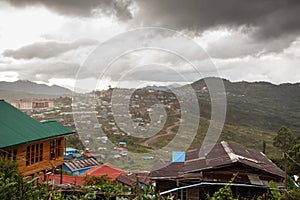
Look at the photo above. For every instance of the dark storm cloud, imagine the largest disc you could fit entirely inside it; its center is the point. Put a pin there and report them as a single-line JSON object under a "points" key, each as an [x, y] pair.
{"points": [[83, 8], [270, 18], [47, 49]]}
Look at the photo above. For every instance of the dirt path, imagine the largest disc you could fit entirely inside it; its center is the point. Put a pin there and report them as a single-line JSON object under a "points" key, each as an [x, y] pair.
{"points": [[168, 130]]}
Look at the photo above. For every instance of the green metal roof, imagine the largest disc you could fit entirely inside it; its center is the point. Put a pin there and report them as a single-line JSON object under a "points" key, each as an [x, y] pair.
{"points": [[18, 128]]}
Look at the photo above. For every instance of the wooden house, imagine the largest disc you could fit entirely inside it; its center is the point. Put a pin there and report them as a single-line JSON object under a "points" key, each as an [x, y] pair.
{"points": [[200, 174], [36, 146]]}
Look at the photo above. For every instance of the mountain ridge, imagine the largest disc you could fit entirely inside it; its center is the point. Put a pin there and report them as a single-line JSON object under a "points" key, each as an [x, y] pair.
{"points": [[27, 89]]}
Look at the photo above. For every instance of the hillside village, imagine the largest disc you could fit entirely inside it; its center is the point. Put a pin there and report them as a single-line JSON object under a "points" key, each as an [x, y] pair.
{"points": [[90, 140]]}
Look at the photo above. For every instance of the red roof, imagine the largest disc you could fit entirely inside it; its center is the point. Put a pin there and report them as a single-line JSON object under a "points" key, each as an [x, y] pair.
{"points": [[67, 179], [105, 169], [94, 155]]}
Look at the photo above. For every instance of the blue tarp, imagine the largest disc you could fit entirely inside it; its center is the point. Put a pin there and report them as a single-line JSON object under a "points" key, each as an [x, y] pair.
{"points": [[178, 156]]}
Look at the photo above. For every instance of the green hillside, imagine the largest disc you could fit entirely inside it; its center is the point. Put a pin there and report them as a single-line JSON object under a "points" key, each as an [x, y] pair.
{"points": [[255, 111]]}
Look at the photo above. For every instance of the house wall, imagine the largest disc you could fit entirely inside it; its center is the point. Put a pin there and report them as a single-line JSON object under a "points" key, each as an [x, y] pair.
{"points": [[76, 172], [38, 156], [31, 104]]}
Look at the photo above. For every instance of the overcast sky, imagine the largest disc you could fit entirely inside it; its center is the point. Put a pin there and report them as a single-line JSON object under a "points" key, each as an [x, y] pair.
{"points": [[47, 41]]}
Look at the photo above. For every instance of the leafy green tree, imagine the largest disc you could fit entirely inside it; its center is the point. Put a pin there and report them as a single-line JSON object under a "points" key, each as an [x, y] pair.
{"points": [[294, 158], [287, 142], [105, 185], [276, 194], [224, 192], [284, 139], [294, 194], [13, 186]]}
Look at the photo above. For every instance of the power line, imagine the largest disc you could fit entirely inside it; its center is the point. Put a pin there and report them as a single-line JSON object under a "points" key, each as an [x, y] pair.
{"points": [[293, 160]]}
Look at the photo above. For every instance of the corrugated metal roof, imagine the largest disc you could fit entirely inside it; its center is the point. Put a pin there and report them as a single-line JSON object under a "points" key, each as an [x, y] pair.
{"points": [[221, 155], [18, 128], [105, 169], [171, 170], [78, 164], [131, 179]]}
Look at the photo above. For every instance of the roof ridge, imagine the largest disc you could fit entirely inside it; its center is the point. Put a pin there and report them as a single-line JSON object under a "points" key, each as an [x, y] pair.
{"points": [[233, 157], [47, 121]]}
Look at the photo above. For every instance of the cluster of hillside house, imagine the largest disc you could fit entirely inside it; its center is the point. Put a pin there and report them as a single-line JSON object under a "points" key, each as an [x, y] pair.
{"points": [[39, 149]]}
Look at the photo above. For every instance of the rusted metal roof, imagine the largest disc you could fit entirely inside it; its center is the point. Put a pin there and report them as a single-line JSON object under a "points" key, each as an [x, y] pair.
{"points": [[171, 170], [131, 179], [222, 155]]}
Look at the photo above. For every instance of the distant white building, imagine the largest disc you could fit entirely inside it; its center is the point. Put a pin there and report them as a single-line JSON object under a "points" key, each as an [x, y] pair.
{"points": [[33, 104]]}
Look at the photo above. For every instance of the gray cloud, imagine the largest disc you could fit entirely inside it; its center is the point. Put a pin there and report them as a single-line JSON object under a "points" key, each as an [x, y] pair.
{"points": [[238, 44], [270, 25], [86, 8], [43, 71], [272, 18], [47, 49]]}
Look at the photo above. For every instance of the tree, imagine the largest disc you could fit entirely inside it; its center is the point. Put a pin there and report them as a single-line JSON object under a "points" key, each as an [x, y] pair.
{"points": [[13, 186], [284, 139], [294, 157], [264, 147]]}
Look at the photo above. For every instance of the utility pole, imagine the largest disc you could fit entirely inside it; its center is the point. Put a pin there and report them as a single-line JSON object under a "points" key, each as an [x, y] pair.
{"points": [[138, 186], [286, 176]]}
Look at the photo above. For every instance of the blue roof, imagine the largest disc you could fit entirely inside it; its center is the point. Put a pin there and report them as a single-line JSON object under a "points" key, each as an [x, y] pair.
{"points": [[71, 149]]}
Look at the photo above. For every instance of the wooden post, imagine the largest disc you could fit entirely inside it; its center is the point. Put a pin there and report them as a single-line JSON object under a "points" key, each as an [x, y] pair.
{"points": [[61, 174], [44, 171], [177, 185], [138, 187]]}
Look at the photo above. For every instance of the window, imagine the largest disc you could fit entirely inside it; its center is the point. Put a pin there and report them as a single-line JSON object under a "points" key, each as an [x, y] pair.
{"points": [[52, 149], [15, 154], [28, 156], [37, 153], [34, 154], [3, 154], [9, 154], [56, 148], [41, 152]]}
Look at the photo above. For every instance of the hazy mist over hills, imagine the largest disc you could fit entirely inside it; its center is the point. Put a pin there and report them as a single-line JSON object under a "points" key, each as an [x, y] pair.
{"points": [[27, 89]]}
